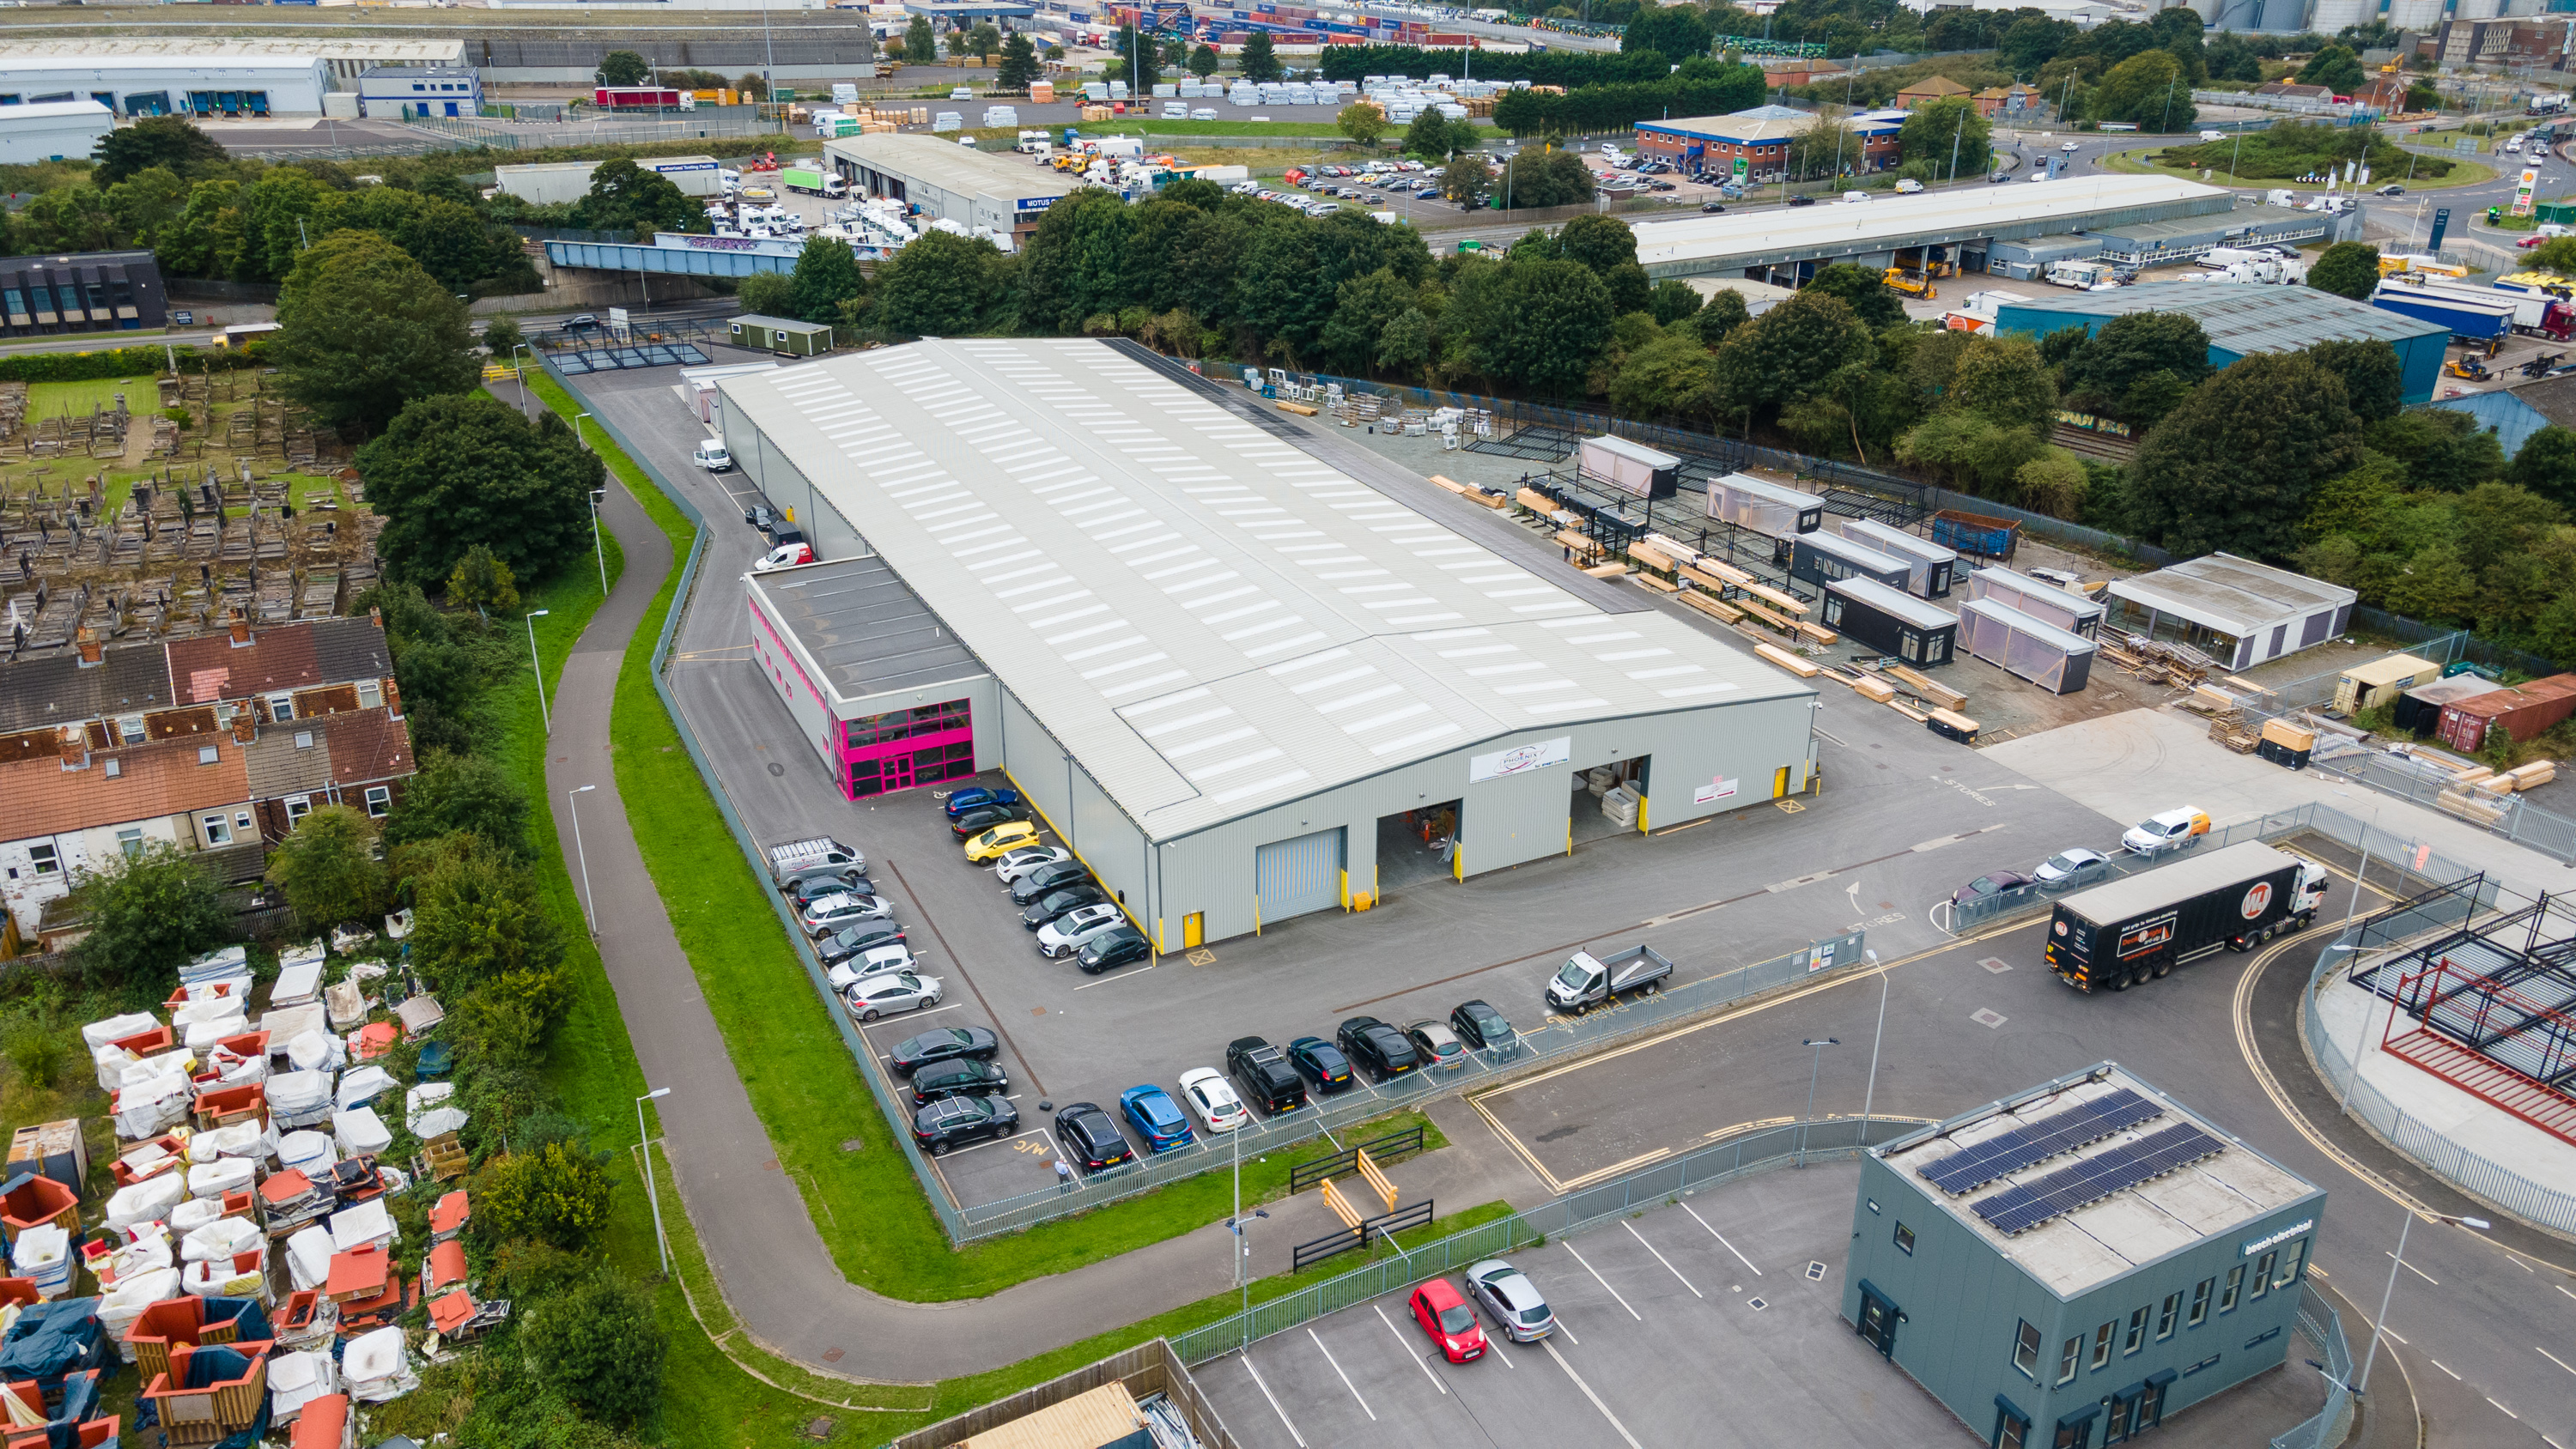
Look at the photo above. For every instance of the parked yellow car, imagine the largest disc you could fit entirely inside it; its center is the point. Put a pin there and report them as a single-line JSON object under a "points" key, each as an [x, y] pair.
{"points": [[1000, 840]]}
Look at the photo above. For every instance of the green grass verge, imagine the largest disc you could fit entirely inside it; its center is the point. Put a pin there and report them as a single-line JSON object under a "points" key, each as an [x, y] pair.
{"points": [[2464, 172]]}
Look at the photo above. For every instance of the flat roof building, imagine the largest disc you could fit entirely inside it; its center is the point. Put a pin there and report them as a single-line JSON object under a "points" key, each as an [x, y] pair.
{"points": [[1788, 246], [403, 92], [2072, 1265], [2235, 610], [1220, 666], [2241, 320], [200, 79], [949, 182], [80, 292], [346, 59], [1759, 137], [54, 131]]}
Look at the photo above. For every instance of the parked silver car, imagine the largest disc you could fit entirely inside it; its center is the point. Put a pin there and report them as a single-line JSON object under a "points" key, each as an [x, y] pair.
{"points": [[870, 997], [1511, 1300], [1072, 930], [831, 913]]}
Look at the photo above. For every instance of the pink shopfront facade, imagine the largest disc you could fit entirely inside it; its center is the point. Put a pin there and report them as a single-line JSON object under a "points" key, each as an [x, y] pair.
{"points": [[880, 688]]}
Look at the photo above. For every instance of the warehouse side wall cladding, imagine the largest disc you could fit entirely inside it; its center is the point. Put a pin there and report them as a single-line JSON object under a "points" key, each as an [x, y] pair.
{"points": [[1141, 589]]}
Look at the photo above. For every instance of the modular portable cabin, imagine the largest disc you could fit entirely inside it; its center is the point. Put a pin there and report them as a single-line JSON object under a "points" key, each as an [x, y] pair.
{"points": [[1634, 468], [2371, 685], [1820, 558], [1932, 566], [2418, 711], [1891, 621], [2238, 612], [2055, 659], [2040, 599], [2526, 710], [779, 334], [1768, 508]]}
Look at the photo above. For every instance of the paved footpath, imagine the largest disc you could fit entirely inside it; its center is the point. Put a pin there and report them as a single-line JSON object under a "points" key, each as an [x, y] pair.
{"points": [[766, 1252]]}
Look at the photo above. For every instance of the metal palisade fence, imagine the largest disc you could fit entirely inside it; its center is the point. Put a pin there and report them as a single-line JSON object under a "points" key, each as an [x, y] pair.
{"points": [[2324, 1328], [2026, 900], [1762, 1150], [1559, 1039]]}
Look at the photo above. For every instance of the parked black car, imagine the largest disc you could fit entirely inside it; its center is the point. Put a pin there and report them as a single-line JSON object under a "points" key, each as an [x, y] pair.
{"points": [[807, 889], [946, 1044], [1091, 1137], [1045, 879], [1382, 1049], [952, 1120], [1261, 1071], [985, 817], [759, 516], [1321, 1063], [1802, 201], [1055, 903], [1116, 947], [851, 941], [964, 1077], [1483, 1028]]}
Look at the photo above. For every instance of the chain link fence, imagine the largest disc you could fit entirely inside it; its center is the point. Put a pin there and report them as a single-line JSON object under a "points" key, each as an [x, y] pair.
{"points": [[1789, 1143]]}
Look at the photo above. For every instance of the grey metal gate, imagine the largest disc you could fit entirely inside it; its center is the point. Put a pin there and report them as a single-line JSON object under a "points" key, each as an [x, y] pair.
{"points": [[1293, 877]]}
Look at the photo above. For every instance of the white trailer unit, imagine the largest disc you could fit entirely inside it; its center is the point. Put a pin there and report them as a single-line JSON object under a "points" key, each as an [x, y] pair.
{"points": [[1766, 508], [1930, 567]]}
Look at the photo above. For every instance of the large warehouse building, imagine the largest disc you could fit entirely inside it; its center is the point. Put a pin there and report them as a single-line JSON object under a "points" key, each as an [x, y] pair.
{"points": [[1216, 663], [2248, 319], [286, 76], [997, 190]]}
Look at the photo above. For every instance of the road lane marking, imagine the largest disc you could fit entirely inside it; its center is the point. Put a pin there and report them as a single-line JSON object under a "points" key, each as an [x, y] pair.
{"points": [[1595, 1398], [2446, 1368], [1568, 1332], [1721, 1237], [1605, 1283], [1405, 1347], [1494, 1346], [2508, 1413], [1121, 976], [1274, 1402], [2553, 1358], [2392, 1333], [1345, 1378], [1660, 1258], [2418, 1272]]}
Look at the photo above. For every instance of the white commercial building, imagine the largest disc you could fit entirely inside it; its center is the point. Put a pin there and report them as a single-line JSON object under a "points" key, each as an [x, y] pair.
{"points": [[186, 81], [1241, 670], [402, 92], [345, 60], [548, 182], [54, 131]]}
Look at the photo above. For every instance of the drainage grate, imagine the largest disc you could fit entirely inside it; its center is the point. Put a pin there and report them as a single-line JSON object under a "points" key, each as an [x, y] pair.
{"points": [[834, 1355], [1756, 1304], [1815, 1272], [1987, 1018], [1997, 967], [818, 1430]]}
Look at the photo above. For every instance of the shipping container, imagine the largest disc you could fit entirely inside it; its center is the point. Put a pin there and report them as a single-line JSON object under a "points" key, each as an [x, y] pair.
{"points": [[1767, 508], [1631, 468], [2528, 710], [2123, 934], [1931, 566], [2371, 685], [1821, 558], [2055, 659], [2065, 608], [629, 98], [2418, 711], [1993, 538], [1890, 621]]}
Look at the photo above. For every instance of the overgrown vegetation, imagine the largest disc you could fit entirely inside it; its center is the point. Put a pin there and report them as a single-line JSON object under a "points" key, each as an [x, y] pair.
{"points": [[2302, 150]]}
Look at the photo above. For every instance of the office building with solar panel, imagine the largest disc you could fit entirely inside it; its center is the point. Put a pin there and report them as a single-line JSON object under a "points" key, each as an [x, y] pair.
{"points": [[2073, 1266], [1243, 669]]}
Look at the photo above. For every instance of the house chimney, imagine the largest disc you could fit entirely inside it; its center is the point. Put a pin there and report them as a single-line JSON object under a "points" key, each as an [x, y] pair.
{"points": [[89, 648], [393, 698], [241, 628]]}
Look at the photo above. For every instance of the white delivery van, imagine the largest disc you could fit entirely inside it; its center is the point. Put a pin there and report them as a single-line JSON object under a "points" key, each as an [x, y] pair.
{"points": [[711, 455]]}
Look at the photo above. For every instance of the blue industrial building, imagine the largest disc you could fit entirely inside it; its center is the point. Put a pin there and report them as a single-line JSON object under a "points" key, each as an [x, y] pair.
{"points": [[2242, 319], [406, 92], [2070, 1266]]}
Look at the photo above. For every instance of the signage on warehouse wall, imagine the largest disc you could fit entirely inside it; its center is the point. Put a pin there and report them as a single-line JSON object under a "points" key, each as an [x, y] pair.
{"points": [[1520, 759]]}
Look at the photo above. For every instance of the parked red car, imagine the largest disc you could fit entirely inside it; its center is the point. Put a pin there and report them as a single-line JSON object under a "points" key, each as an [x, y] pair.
{"points": [[1443, 1313]]}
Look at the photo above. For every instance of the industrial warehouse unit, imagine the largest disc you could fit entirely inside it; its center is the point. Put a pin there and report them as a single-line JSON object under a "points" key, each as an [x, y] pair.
{"points": [[2234, 610], [1218, 666], [2242, 320], [1000, 191], [83, 292], [2074, 1265], [54, 131]]}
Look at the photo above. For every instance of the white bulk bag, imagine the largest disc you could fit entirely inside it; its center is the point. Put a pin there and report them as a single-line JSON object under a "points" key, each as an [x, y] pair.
{"points": [[377, 1366], [299, 1099], [248, 1138], [297, 1379], [310, 1153], [204, 1032], [360, 1133], [295, 984], [195, 1213], [308, 1257], [220, 1279], [99, 1033], [365, 1225], [126, 1301], [153, 1249], [425, 1096], [219, 1240], [229, 1174], [313, 1050], [363, 1085], [109, 1063], [147, 1201]]}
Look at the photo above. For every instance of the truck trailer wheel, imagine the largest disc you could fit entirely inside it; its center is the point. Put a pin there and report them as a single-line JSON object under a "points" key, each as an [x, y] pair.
{"points": [[2163, 967], [2119, 982], [1653, 986]]}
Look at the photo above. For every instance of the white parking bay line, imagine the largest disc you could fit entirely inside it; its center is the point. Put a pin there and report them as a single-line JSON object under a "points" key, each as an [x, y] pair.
{"points": [[1405, 1346], [1721, 1237], [1660, 1258], [1121, 976], [1605, 1283], [1274, 1402], [997, 1142], [1568, 1332], [1587, 1393], [1337, 1370]]}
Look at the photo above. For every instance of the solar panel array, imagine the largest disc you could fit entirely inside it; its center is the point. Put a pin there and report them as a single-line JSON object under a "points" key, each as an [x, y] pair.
{"points": [[2035, 1142], [2020, 1208]]}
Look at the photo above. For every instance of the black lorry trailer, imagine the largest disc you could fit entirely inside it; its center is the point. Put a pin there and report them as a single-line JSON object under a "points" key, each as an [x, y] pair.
{"points": [[2118, 935]]}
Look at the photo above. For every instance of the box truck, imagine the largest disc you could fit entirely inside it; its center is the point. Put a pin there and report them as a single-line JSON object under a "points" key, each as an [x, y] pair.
{"points": [[2120, 935]]}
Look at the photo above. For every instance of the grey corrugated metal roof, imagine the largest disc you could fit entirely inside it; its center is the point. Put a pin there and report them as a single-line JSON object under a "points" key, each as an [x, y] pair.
{"points": [[946, 164], [2239, 319], [864, 628], [1211, 617], [2230, 594]]}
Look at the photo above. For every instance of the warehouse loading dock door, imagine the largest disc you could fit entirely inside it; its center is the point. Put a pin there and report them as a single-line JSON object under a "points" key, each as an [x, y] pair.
{"points": [[1586, 817], [1292, 877]]}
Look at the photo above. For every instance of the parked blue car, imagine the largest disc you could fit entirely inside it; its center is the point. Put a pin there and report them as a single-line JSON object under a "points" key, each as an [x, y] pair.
{"points": [[1156, 1117], [976, 798]]}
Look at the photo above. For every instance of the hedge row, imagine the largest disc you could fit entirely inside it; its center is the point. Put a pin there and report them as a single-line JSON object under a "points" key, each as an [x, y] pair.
{"points": [[1592, 109], [122, 362], [1538, 67]]}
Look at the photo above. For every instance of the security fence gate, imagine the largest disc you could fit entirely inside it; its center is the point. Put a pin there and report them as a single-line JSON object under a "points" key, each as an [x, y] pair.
{"points": [[1292, 877]]}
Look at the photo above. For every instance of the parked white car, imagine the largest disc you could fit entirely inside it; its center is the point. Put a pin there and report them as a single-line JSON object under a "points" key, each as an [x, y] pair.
{"points": [[1213, 1101], [875, 961], [1027, 858], [831, 913], [1067, 933]]}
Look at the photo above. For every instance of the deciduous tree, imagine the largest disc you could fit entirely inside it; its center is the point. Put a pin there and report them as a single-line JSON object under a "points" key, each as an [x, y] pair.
{"points": [[625, 197], [623, 68], [557, 1194], [147, 913], [328, 869], [827, 275], [936, 286], [1939, 131], [1204, 62], [171, 142], [365, 331], [460, 794], [599, 1346], [453, 472], [1362, 121], [1874, 302], [1555, 316], [2234, 466], [2347, 269]]}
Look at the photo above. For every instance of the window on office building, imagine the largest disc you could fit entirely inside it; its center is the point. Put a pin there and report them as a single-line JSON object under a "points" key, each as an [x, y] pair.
{"points": [[1905, 1240], [2263, 1273], [2068, 1357], [2292, 1258], [2102, 1342], [2235, 1286], [2165, 1318], [2137, 1335], [2025, 1354], [2200, 1301]]}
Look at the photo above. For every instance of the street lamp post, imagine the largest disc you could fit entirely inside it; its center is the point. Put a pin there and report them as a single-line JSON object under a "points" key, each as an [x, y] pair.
{"points": [[1814, 1062], [596, 546], [544, 717], [1870, 1097], [652, 1193], [515, 349], [2397, 1263], [576, 431], [572, 802]]}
